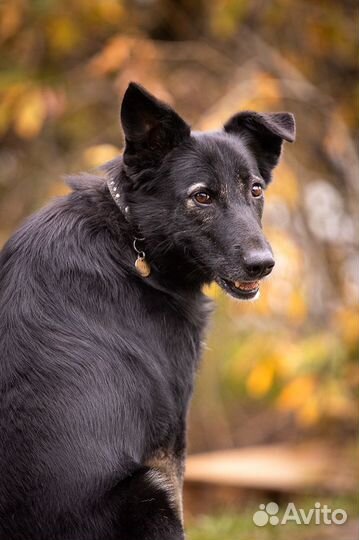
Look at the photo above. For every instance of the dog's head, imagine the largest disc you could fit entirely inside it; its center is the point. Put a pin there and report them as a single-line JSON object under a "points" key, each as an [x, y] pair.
{"points": [[198, 198]]}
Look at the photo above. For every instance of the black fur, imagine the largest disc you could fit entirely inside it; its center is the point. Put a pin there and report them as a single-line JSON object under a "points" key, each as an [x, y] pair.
{"points": [[98, 363]]}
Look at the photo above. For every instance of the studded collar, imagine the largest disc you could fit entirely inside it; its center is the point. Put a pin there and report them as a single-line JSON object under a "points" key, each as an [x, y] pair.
{"points": [[141, 264], [118, 197]]}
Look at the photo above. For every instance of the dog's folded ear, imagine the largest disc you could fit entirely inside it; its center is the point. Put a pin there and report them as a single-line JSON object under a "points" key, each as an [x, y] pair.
{"points": [[264, 134], [151, 127]]}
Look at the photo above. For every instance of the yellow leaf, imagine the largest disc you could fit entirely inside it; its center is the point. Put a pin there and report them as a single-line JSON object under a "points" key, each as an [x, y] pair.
{"points": [[260, 379], [110, 10], [63, 34], [30, 114], [308, 413], [295, 394], [99, 154], [347, 319]]}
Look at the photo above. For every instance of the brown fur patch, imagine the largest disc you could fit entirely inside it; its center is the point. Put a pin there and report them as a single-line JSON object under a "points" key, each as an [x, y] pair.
{"points": [[167, 471]]}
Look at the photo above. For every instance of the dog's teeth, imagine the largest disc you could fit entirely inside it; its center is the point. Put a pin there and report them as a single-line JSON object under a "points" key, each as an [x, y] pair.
{"points": [[250, 286]]}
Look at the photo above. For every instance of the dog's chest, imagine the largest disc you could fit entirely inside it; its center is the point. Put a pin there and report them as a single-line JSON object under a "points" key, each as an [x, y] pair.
{"points": [[178, 327]]}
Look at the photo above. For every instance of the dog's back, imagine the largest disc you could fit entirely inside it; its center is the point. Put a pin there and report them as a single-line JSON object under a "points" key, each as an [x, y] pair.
{"points": [[84, 399]]}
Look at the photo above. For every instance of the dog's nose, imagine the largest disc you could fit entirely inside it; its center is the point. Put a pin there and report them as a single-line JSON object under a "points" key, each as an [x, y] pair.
{"points": [[259, 264]]}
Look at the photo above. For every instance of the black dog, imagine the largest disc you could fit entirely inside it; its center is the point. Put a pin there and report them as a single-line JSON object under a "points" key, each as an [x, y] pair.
{"points": [[102, 318]]}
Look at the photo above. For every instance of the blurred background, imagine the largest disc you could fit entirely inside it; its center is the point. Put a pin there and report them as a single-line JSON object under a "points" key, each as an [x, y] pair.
{"points": [[275, 410]]}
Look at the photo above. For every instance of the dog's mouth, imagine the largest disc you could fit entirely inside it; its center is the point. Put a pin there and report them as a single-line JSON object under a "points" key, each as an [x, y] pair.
{"points": [[244, 290]]}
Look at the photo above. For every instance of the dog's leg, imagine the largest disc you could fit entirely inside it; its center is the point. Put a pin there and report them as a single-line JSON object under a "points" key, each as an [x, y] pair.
{"points": [[151, 507], [166, 470]]}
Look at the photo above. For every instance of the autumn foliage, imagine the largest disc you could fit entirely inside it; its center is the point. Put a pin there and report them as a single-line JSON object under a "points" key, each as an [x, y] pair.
{"points": [[288, 361]]}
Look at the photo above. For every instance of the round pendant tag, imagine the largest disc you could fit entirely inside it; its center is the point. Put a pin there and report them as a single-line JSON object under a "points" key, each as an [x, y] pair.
{"points": [[142, 267]]}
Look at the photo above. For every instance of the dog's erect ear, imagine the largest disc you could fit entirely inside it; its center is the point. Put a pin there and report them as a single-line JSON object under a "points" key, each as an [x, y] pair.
{"points": [[264, 134], [152, 128]]}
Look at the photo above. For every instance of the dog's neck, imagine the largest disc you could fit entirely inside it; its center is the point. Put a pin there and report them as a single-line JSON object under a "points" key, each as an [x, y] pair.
{"points": [[172, 271], [115, 179]]}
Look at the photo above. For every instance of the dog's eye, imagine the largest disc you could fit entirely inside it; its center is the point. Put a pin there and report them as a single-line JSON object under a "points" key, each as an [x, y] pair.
{"points": [[202, 197], [257, 190]]}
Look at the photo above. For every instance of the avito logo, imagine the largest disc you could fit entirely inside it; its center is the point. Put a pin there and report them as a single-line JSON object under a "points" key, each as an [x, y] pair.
{"points": [[319, 515]]}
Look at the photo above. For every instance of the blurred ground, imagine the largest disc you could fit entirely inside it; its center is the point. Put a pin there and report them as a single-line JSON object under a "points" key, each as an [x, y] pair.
{"points": [[240, 526], [283, 369]]}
